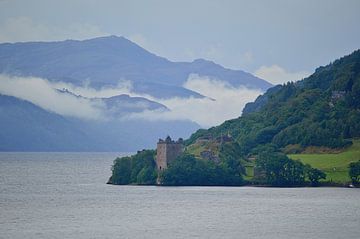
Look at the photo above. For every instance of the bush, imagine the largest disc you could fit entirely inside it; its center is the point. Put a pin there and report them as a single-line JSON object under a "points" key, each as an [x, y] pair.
{"points": [[137, 169], [314, 175], [279, 170], [354, 172], [186, 170]]}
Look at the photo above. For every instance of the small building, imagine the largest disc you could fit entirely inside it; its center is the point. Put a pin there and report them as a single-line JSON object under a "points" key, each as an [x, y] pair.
{"points": [[168, 150]]}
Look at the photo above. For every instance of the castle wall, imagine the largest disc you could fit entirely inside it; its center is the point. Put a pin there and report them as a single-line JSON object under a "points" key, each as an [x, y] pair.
{"points": [[167, 151], [161, 156], [173, 151]]}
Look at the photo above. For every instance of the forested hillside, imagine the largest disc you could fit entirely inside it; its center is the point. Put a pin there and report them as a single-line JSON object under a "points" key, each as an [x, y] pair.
{"points": [[321, 110]]}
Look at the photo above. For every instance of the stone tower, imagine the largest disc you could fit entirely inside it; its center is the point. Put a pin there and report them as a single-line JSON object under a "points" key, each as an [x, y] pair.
{"points": [[167, 150]]}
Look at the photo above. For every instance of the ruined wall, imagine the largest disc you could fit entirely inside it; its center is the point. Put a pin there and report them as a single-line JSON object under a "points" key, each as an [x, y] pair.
{"points": [[173, 150], [161, 156], [167, 151]]}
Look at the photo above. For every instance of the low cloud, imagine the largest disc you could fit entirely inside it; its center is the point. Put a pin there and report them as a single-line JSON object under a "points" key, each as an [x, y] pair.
{"points": [[278, 75], [222, 102], [42, 93]]}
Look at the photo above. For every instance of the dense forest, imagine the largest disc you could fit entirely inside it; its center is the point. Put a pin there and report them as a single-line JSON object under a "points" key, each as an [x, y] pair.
{"points": [[321, 110]]}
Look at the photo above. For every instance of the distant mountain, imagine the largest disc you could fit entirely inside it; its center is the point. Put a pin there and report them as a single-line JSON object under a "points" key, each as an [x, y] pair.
{"points": [[105, 61], [97, 63], [321, 110], [122, 105], [27, 127]]}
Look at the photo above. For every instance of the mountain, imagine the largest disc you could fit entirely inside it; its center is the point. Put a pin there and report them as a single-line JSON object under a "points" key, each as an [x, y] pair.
{"points": [[124, 104], [121, 105], [104, 61], [321, 110], [99, 63], [27, 127]]}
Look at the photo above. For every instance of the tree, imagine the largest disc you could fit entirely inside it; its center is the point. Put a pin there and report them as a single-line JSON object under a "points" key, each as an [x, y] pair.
{"points": [[279, 170], [186, 170], [314, 175], [138, 168], [182, 171], [121, 171], [146, 176], [354, 172]]}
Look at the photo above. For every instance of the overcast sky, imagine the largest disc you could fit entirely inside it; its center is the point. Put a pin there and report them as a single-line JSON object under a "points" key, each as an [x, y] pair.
{"points": [[276, 40]]}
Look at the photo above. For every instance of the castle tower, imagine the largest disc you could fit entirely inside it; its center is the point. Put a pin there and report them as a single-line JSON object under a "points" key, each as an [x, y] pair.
{"points": [[167, 151]]}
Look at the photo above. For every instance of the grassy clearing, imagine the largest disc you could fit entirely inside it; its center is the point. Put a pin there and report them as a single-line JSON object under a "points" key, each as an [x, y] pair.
{"points": [[197, 148], [249, 169], [334, 165]]}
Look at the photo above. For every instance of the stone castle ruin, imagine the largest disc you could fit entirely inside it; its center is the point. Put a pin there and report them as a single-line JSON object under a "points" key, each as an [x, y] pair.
{"points": [[167, 151]]}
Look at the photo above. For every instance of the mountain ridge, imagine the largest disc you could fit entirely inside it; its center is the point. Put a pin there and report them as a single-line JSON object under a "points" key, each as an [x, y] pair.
{"points": [[107, 60]]}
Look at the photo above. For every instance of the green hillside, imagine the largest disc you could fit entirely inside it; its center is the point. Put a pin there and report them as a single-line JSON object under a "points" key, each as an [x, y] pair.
{"points": [[321, 113], [321, 110], [334, 165]]}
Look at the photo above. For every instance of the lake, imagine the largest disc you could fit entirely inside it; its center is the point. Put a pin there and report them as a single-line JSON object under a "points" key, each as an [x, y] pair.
{"points": [[64, 195]]}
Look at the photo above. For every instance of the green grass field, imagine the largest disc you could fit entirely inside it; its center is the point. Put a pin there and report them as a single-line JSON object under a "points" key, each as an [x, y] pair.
{"points": [[197, 148], [334, 165]]}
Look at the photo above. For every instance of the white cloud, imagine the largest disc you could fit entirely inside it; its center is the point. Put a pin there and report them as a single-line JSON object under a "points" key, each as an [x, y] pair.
{"points": [[278, 75], [42, 93], [25, 29], [223, 102]]}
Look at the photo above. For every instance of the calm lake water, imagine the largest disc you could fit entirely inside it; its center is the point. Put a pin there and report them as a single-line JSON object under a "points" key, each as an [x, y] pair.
{"points": [[64, 195]]}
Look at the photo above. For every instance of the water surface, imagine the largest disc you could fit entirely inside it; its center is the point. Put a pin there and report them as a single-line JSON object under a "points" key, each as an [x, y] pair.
{"points": [[64, 195]]}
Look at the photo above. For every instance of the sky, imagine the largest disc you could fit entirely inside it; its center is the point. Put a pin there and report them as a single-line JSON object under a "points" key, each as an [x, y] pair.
{"points": [[275, 40]]}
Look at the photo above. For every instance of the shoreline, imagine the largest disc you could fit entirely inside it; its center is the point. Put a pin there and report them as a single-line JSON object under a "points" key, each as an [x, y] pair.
{"points": [[245, 185]]}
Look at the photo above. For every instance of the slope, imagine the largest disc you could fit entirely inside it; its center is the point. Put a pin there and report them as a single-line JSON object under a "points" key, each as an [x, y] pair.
{"points": [[336, 166], [27, 127], [321, 110]]}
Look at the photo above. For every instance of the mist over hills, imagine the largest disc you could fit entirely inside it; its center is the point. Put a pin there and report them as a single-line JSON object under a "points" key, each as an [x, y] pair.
{"points": [[27, 127], [120, 97]]}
